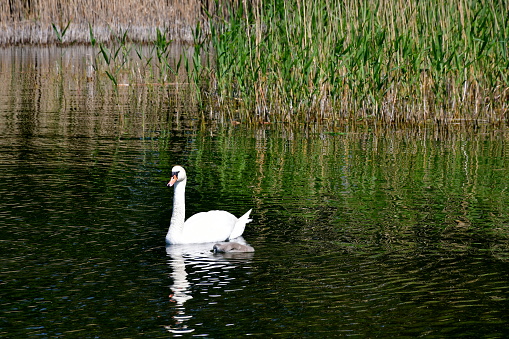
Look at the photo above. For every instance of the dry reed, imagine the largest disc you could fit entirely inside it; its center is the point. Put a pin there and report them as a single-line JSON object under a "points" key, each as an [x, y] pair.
{"points": [[31, 22]]}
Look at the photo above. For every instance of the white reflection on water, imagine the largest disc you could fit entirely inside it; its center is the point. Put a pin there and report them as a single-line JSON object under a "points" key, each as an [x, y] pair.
{"points": [[209, 276]]}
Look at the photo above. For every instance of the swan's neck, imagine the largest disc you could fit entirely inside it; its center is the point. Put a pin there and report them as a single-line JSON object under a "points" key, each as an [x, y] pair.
{"points": [[179, 212]]}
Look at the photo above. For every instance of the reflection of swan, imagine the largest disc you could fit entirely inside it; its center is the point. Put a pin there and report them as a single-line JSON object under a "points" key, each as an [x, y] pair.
{"points": [[196, 269], [202, 227], [180, 285]]}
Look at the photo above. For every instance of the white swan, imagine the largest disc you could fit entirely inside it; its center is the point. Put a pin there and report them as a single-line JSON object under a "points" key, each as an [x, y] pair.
{"points": [[211, 226]]}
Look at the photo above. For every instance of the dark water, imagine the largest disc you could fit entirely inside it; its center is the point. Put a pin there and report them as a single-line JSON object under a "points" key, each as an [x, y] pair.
{"points": [[357, 233]]}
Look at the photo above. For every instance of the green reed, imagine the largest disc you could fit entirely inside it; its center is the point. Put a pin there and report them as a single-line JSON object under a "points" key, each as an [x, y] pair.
{"points": [[392, 61], [59, 32], [126, 63]]}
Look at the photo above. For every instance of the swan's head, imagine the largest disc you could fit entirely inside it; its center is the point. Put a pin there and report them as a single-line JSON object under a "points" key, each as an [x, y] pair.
{"points": [[178, 173]]}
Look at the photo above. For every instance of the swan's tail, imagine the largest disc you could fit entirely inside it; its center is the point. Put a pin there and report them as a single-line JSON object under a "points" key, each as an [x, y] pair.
{"points": [[246, 217], [240, 225]]}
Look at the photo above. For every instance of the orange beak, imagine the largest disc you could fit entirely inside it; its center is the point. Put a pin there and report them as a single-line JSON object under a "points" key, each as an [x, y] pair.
{"points": [[172, 181]]}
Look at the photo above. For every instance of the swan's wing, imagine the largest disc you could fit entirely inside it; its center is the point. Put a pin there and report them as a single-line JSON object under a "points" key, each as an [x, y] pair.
{"points": [[209, 226]]}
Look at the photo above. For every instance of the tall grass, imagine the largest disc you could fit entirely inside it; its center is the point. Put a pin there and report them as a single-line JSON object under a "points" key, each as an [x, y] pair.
{"points": [[391, 61], [34, 22], [301, 61]]}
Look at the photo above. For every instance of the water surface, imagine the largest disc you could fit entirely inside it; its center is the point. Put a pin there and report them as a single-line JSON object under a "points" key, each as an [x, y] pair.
{"points": [[357, 232]]}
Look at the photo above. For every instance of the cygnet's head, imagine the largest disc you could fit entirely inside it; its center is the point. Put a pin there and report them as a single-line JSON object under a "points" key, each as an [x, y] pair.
{"points": [[178, 174]]}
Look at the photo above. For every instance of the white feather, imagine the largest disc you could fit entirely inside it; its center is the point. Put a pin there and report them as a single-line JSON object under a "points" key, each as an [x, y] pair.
{"points": [[202, 227]]}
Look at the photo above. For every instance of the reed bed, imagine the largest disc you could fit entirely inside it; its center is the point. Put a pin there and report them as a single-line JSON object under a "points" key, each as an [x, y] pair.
{"points": [[390, 61], [34, 22]]}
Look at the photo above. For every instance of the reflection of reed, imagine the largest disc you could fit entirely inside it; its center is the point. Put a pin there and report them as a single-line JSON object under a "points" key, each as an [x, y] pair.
{"points": [[206, 275], [65, 92], [389, 181]]}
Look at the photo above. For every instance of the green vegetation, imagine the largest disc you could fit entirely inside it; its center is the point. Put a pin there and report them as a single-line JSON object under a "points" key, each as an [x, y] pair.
{"points": [[390, 61], [60, 33]]}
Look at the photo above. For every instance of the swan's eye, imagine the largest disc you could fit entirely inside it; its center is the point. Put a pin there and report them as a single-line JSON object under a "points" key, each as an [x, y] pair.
{"points": [[175, 174]]}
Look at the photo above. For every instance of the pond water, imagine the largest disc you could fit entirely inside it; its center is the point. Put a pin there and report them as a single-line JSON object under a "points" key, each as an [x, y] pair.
{"points": [[362, 233]]}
